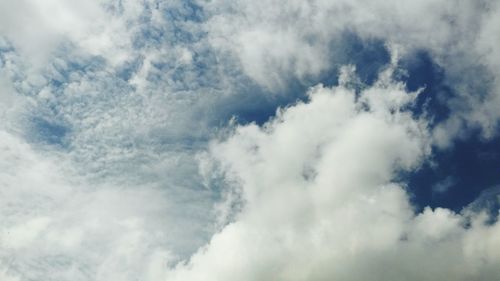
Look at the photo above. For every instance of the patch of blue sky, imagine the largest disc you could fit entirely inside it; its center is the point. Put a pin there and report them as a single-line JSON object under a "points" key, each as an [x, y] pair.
{"points": [[48, 132], [420, 72], [369, 56], [472, 163], [126, 70], [186, 11], [466, 169], [179, 29]]}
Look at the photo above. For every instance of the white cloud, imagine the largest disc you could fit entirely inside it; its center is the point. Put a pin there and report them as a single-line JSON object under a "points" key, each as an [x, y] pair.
{"points": [[58, 225], [276, 41], [118, 195], [37, 28], [320, 202], [308, 196]]}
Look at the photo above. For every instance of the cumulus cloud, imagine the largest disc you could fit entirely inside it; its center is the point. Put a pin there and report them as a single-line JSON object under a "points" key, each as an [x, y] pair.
{"points": [[121, 155], [321, 203]]}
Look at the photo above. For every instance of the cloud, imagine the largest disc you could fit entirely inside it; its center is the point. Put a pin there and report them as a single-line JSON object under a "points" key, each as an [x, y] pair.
{"points": [[444, 185], [99, 175], [321, 203], [277, 41], [36, 28], [56, 225], [122, 158]]}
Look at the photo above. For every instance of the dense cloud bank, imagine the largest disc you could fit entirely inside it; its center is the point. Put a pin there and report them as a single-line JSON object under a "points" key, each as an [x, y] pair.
{"points": [[128, 151]]}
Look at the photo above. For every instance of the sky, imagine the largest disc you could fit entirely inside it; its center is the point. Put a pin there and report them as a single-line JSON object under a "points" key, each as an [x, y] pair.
{"points": [[208, 140]]}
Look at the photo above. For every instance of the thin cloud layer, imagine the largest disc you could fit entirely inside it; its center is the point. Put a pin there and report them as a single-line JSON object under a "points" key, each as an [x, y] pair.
{"points": [[203, 140]]}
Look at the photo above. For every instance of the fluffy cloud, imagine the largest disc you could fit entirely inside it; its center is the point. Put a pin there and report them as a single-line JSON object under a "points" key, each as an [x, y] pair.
{"points": [[320, 202]]}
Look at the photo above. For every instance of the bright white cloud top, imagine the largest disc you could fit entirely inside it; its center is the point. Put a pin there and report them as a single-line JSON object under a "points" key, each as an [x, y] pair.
{"points": [[126, 151]]}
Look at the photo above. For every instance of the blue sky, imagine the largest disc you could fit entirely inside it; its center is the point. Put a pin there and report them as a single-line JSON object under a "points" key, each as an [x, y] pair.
{"points": [[269, 140]]}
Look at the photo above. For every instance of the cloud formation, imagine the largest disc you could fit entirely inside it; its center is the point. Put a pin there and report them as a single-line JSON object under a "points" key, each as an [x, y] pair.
{"points": [[203, 140], [321, 202]]}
